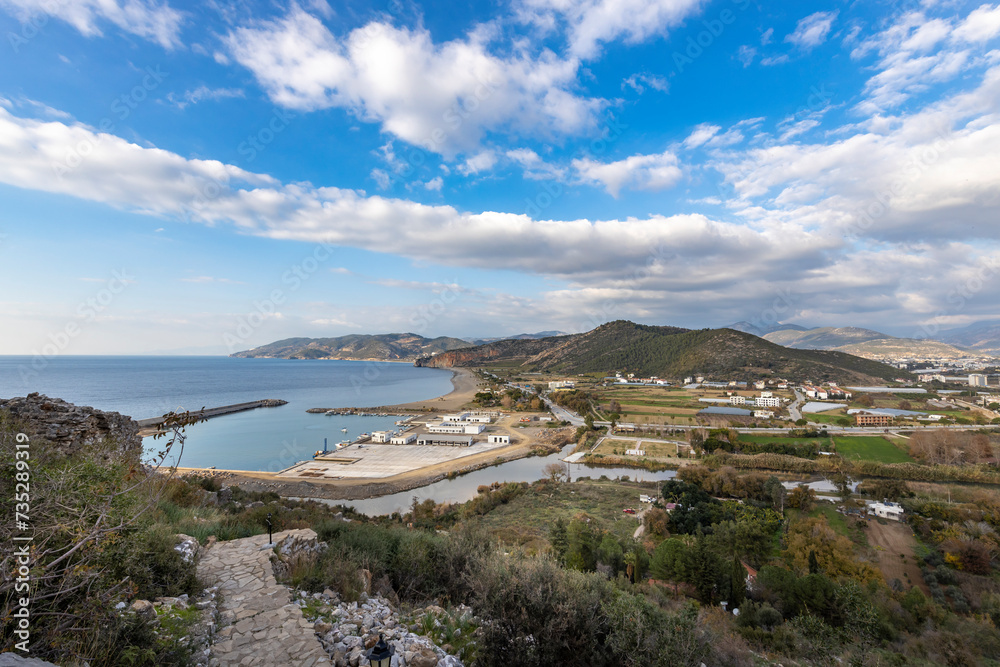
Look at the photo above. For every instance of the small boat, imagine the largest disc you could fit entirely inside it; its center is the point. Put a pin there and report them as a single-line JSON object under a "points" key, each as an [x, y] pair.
{"points": [[343, 430]]}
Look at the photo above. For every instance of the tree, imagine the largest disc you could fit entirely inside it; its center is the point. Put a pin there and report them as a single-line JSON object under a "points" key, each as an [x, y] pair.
{"points": [[776, 492], [555, 471], [559, 538], [610, 553], [580, 552], [865, 400], [813, 563], [670, 561], [801, 498]]}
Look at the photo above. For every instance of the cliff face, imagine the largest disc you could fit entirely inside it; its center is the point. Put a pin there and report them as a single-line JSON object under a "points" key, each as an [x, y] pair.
{"points": [[69, 427]]}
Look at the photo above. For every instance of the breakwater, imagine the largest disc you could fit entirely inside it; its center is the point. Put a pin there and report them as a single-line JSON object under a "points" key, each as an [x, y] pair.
{"points": [[154, 423]]}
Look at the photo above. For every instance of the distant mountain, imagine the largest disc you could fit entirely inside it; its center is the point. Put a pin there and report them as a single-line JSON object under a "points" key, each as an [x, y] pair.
{"points": [[668, 352], [747, 327], [984, 336], [524, 336], [865, 342], [823, 338], [389, 347]]}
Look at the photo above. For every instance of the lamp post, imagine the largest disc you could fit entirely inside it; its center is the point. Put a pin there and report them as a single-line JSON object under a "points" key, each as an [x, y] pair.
{"points": [[269, 540], [380, 655]]}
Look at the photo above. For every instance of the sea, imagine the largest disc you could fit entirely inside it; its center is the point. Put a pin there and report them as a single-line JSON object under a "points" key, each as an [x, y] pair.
{"points": [[265, 439]]}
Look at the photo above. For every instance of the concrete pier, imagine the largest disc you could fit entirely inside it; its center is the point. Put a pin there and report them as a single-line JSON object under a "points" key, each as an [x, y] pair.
{"points": [[153, 423]]}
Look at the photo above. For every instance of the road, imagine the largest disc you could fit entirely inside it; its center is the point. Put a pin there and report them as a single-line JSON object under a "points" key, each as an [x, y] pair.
{"points": [[793, 409], [576, 420], [562, 413]]}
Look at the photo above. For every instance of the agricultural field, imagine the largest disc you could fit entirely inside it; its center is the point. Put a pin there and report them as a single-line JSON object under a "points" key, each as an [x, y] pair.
{"points": [[527, 518], [870, 448], [659, 405]]}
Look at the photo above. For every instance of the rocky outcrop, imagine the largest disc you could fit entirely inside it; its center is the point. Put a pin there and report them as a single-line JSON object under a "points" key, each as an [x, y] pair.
{"points": [[347, 629], [69, 427]]}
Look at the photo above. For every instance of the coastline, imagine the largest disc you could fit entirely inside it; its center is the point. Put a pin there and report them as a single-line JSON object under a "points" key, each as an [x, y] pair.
{"points": [[361, 489]]}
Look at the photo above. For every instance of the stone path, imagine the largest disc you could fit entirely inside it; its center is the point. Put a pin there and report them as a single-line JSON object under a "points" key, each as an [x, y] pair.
{"points": [[259, 625]]}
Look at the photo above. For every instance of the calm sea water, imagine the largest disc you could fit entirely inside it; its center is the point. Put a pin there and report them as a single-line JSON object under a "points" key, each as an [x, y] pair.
{"points": [[263, 439]]}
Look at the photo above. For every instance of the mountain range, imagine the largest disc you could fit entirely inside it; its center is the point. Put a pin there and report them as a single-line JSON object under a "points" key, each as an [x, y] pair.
{"points": [[383, 347], [667, 352], [975, 340]]}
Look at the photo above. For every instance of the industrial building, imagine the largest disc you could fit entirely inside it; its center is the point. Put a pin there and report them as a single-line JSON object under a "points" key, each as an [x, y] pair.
{"points": [[445, 439], [495, 439], [403, 439]]}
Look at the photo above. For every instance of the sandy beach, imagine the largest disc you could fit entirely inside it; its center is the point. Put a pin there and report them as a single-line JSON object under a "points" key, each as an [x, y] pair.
{"points": [[465, 384]]}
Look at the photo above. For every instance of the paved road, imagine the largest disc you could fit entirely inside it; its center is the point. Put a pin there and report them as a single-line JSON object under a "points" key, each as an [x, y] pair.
{"points": [[562, 413], [793, 409]]}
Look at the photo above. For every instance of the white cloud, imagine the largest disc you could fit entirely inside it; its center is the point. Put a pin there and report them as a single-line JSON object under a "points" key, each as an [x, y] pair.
{"points": [[435, 184], [766, 37], [590, 23], [774, 60], [641, 80], [482, 161], [442, 97], [640, 172], [701, 134], [980, 25], [203, 93], [812, 31], [155, 21], [534, 166], [381, 178], [917, 51], [746, 54], [926, 175]]}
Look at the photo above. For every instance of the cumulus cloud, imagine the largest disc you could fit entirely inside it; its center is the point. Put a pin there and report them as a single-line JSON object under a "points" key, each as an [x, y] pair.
{"points": [[917, 51], [639, 172], [590, 23], [812, 31], [156, 21], [442, 97]]}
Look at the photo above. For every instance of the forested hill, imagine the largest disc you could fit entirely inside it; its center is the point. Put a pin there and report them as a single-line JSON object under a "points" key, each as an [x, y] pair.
{"points": [[668, 352], [401, 346]]}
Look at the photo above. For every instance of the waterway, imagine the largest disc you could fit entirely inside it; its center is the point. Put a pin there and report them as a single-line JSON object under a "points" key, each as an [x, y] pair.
{"points": [[463, 488]]}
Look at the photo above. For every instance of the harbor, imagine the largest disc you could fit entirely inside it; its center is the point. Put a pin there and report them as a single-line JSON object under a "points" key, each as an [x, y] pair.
{"points": [[152, 425]]}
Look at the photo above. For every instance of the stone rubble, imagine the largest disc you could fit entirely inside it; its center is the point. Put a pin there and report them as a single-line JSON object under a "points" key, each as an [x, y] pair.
{"points": [[355, 626]]}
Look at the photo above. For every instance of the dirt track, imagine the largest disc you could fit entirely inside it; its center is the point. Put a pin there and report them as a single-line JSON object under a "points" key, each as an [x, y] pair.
{"points": [[889, 541]]}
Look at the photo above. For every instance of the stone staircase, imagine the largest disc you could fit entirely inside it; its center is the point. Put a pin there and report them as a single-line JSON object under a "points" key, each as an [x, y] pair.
{"points": [[259, 624]]}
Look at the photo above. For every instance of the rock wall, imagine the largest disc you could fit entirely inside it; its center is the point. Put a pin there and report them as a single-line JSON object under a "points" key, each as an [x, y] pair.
{"points": [[69, 427]]}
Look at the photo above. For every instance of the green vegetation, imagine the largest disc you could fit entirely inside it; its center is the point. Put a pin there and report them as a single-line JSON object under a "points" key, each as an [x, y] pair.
{"points": [[870, 448], [670, 352]]}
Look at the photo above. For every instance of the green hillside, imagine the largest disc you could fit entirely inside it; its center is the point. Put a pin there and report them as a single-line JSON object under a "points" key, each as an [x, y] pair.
{"points": [[669, 352]]}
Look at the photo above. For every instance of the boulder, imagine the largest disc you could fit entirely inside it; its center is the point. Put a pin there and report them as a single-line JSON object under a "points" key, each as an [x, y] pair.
{"points": [[144, 609]]}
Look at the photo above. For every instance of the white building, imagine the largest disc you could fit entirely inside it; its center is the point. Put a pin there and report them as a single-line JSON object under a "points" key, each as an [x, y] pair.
{"points": [[635, 452], [479, 418], [562, 384], [457, 417], [763, 414], [736, 399], [886, 510], [767, 400], [404, 439], [759, 384], [381, 436], [495, 439], [445, 439], [456, 427], [977, 380]]}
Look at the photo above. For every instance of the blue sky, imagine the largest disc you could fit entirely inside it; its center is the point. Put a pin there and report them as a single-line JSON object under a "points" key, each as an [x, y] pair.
{"points": [[214, 176]]}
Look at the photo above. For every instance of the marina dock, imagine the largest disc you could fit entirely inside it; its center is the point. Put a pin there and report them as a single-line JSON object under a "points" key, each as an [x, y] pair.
{"points": [[151, 425]]}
